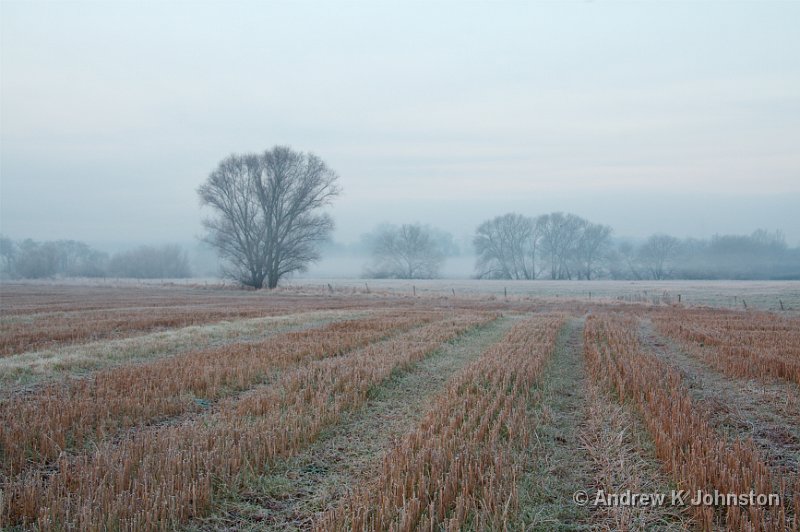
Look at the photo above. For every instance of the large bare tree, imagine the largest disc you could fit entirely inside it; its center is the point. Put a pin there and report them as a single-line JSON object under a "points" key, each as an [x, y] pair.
{"points": [[267, 220]]}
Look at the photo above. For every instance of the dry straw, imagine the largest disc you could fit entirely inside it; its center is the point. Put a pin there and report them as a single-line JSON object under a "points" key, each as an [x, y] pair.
{"points": [[740, 344], [157, 479], [69, 415], [696, 456], [460, 465]]}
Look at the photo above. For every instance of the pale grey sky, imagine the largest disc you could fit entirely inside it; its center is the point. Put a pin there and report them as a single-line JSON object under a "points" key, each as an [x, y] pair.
{"points": [[680, 117]]}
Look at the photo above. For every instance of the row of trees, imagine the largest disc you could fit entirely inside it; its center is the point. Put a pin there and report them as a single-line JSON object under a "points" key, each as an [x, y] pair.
{"points": [[566, 246], [563, 246], [556, 246], [35, 260], [69, 258], [512, 246], [760, 255]]}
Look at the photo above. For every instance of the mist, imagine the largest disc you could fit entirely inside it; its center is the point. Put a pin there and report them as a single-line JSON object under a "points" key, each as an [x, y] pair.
{"points": [[676, 118]]}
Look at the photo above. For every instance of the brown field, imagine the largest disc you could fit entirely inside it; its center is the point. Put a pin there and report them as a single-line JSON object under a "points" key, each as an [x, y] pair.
{"points": [[344, 406]]}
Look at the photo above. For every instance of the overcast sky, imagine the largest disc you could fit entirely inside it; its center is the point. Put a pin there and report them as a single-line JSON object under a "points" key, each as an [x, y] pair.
{"points": [[649, 116]]}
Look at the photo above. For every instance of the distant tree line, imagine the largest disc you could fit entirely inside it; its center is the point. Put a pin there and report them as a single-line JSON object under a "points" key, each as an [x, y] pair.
{"points": [[29, 259], [558, 246], [761, 255], [564, 246]]}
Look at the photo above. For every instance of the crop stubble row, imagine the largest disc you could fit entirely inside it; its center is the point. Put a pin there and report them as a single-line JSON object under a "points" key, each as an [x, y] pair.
{"points": [[21, 336], [461, 464], [67, 415], [754, 345], [159, 478], [691, 451]]}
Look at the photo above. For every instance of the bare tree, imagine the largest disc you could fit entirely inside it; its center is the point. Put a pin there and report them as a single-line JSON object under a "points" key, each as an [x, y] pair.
{"points": [[238, 229], [627, 266], [411, 251], [267, 221], [657, 254], [506, 247], [592, 247], [560, 238]]}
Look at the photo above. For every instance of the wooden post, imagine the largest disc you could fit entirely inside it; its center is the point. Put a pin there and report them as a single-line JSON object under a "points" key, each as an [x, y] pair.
{"points": [[454, 292], [505, 292], [744, 303], [365, 284], [781, 302], [330, 288], [679, 299], [414, 289]]}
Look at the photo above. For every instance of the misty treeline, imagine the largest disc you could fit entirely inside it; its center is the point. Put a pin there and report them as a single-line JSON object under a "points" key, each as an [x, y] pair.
{"points": [[563, 246], [28, 259], [760, 255]]}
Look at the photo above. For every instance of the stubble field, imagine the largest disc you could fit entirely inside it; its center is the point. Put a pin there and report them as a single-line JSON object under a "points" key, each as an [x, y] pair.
{"points": [[423, 407]]}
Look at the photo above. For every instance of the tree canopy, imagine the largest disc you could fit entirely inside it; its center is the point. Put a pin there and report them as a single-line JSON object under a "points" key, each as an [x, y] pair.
{"points": [[267, 220]]}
